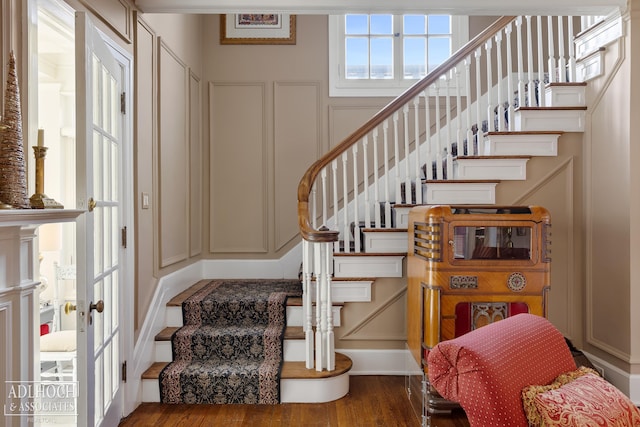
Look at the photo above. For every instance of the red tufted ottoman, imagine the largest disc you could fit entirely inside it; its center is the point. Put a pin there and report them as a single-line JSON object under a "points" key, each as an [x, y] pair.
{"points": [[486, 369]]}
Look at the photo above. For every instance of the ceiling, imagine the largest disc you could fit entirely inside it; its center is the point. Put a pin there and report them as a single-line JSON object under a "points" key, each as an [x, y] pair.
{"points": [[327, 7]]}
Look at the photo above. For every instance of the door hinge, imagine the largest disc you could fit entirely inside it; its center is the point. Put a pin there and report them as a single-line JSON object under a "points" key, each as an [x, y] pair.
{"points": [[124, 237], [123, 103], [124, 371]]}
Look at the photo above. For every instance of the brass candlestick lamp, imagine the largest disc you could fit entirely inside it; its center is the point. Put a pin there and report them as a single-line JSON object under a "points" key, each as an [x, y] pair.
{"points": [[40, 200]]}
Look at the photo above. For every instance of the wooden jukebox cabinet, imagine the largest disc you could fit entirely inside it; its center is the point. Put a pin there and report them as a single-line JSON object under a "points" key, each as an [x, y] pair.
{"points": [[469, 266]]}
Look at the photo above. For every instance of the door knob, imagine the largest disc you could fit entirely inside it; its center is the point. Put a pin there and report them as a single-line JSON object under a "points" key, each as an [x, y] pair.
{"points": [[92, 204], [99, 306], [68, 308]]}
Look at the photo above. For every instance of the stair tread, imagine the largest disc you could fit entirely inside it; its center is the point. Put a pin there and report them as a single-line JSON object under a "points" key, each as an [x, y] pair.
{"points": [[298, 370], [461, 181], [500, 157], [576, 107], [567, 84], [166, 333], [290, 370], [385, 230], [297, 302], [177, 300], [369, 254], [153, 372], [350, 279], [293, 333], [526, 132]]}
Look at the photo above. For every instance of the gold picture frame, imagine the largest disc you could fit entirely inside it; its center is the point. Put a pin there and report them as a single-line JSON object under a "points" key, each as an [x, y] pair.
{"points": [[257, 29]]}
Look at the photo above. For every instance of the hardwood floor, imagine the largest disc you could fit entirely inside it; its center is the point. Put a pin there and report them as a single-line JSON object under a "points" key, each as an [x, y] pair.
{"points": [[372, 401]]}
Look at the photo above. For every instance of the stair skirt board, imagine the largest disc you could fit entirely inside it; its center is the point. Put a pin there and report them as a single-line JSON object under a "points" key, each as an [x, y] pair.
{"points": [[502, 169], [460, 193], [526, 144], [367, 266], [550, 119]]}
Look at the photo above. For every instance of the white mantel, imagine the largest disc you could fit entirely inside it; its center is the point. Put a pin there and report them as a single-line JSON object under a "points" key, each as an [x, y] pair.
{"points": [[18, 297], [30, 217]]}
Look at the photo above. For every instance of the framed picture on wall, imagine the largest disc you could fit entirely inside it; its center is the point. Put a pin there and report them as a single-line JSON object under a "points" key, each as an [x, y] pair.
{"points": [[255, 28]]}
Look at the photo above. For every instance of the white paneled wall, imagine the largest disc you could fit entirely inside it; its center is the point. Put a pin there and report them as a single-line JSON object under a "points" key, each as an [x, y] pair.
{"points": [[17, 323]]}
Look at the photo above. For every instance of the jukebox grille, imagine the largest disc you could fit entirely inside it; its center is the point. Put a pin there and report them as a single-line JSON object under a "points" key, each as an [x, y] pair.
{"points": [[427, 241]]}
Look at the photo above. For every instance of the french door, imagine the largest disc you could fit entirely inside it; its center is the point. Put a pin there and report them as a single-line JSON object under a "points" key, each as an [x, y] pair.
{"points": [[99, 151]]}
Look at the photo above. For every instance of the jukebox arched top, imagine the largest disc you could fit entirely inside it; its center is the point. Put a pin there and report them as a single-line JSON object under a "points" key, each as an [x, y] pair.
{"points": [[481, 236]]}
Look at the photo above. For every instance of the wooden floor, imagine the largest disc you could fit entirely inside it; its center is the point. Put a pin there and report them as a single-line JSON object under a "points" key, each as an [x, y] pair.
{"points": [[372, 401]]}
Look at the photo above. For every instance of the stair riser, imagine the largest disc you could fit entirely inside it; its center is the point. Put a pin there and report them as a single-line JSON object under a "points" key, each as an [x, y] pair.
{"points": [[557, 120], [314, 390], [521, 145], [569, 96], [385, 242], [291, 390], [494, 169], [367, 266], [453, 193], [348, 291], [295, 316], [293, 351]]}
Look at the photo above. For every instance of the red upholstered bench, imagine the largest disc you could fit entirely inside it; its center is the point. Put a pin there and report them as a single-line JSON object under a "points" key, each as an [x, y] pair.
{"points": [[486, 370]]}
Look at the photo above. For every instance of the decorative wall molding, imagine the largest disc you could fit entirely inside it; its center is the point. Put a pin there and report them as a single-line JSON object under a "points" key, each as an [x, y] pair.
{"points": [[296, 144], [239, 151], [173, 161]]}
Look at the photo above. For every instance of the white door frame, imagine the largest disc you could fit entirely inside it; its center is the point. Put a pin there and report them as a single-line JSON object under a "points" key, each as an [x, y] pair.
{"points": [[127, 295]]}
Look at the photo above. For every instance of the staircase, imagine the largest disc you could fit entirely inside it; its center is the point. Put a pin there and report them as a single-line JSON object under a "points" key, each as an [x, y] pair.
{"points": [[444, 141], [474, 122], [296, 385]]}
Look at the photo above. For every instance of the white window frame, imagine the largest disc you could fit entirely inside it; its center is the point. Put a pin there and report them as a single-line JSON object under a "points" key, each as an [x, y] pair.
{"points": [[339, 86]]}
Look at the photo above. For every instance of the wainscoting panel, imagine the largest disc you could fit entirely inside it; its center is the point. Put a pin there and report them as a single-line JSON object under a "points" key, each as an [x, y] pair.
{"points": [[195, 164], [145, 158], [238, 171], [173, 148], [297, 144]]}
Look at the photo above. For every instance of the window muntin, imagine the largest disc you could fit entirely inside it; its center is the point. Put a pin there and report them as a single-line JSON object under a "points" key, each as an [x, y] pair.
{"points": [[383, 54]]}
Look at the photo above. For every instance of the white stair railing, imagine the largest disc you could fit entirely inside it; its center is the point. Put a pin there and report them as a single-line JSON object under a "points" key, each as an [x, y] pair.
{"points": [[383, 163]]}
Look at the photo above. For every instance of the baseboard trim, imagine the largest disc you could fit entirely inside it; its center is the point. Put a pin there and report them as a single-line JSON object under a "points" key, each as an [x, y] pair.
{"points": [[381, 362], [628, 383]]}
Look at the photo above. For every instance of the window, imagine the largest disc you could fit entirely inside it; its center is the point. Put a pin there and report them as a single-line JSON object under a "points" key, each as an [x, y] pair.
{"points": [[382, 55]]}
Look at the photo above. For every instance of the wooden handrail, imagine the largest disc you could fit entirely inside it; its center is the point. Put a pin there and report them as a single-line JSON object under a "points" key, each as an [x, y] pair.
{"points": [[304, 188]]}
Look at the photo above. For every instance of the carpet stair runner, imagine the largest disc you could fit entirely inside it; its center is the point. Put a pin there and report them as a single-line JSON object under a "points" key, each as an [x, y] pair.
{"points": [[230, 347]]}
